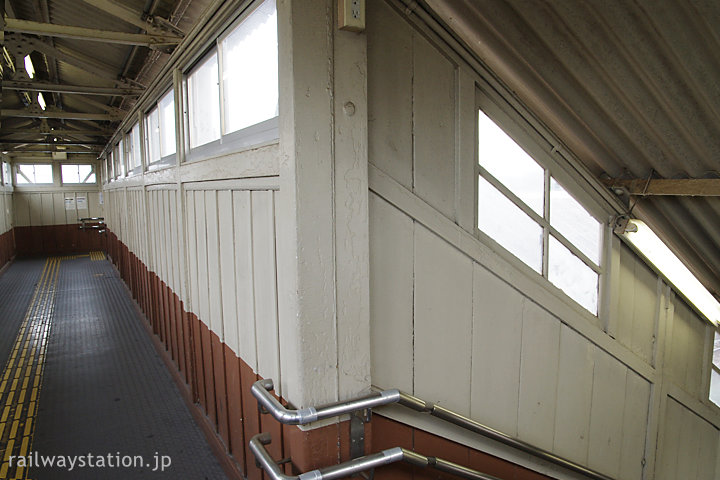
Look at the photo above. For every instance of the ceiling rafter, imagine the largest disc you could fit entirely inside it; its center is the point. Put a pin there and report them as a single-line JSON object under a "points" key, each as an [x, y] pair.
{"points": [[683, 187], [71, 89], [21, 44], [57, 131], [90, 34], [34, 113], [134, 18]]}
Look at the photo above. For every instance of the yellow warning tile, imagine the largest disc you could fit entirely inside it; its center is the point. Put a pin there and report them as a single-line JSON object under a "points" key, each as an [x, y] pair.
{"points": [[13, 429]]}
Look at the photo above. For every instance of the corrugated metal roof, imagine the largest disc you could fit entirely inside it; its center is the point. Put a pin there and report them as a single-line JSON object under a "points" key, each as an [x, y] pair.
{"points": [[630, 87]]}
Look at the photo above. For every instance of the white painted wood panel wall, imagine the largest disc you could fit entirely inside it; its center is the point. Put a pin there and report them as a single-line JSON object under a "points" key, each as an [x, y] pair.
{"points": [[48, 208], [6, 212], [453, 322], [230, 237]]}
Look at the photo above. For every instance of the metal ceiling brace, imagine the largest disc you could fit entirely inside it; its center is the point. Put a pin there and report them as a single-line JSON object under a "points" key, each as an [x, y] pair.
{"points": [[90, 34]]}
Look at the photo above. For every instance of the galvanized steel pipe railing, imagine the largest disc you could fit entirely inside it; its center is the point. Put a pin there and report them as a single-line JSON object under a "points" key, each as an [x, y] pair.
{"points": [[357, 465], [262, 388]]}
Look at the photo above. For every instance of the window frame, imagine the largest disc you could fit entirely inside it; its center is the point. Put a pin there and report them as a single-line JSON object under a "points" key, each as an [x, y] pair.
{"points": [[170, 159], [16, 171], [255, 135], [93, 170], [548, 156]]}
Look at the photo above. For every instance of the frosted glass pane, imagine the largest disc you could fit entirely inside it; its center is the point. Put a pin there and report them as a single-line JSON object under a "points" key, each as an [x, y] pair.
{"points": [[34, 173], [715, 388], [574, 222], [70, 173], [506, 161], [572, 276], [25, 174], [716, 350], [6, 173], [152, 135], [86, 174], [204, 103], [250, 70], [166, 105], [43, 174], [120, 165], [136, 157], [508, 225]]}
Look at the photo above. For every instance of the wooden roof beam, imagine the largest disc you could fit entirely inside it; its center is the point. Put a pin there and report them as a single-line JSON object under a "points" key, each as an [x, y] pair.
{"points": [[683, 187]]}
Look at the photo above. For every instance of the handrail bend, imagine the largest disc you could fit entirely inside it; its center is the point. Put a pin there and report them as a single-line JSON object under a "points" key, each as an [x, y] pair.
{"points": [[262, 388], [357, 465]]}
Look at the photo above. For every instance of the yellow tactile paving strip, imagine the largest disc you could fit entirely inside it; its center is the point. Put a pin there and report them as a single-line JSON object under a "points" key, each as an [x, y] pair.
{"points": [[22, 375]]}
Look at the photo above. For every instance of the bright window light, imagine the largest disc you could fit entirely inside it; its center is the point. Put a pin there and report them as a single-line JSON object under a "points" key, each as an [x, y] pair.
{"points": [[41, 101], [657, 253], [29, 67], [250, 70]]}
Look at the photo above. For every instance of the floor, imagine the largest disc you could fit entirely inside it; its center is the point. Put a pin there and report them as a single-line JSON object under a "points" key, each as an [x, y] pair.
{"points": [[83, 386]]}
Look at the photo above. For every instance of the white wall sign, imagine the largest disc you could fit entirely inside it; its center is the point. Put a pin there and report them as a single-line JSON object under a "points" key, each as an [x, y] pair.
{"points": [[82, 203], [69, 203]]}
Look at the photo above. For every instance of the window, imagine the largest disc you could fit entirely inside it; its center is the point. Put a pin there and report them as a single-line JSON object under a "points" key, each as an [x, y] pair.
{"points": [[160, 129], [243, 109], [133, 154], [6, 174], [34, 173], [77, 173], [166, 106], [119, 160], [527, 211], [251, 47], [715, 372], [204, 108]]}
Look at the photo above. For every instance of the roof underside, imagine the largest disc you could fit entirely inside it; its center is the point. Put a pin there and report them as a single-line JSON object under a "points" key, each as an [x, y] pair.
{"points": [[630, 87], [79, 119]]}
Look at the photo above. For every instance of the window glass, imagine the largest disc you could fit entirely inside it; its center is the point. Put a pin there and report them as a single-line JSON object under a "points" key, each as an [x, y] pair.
{"points": [[136, 151], [204, 102], [508, 225], [152, 135], [574, 222], [119, 158], [250, 70], [6, 173], [571, 275], [715, 387], [715, 371], [504, 215], [166, 107], [34, 173], [510, 164], [77, 173]]}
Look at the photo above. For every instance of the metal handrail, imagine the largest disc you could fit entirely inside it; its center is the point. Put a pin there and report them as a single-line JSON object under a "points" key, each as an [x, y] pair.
{"points": [[99, 221], [361, 464], [262, 388]]}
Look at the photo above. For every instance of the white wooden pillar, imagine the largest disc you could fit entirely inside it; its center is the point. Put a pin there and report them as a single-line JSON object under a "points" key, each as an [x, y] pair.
{"points": [[323, 206]]}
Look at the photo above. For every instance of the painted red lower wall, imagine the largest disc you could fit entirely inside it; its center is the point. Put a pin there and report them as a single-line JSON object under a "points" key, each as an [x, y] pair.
{"points": [[7, 247], [219, 383], [57, 240]]}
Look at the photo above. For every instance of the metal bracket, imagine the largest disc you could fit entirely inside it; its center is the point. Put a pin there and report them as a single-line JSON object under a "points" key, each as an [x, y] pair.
{"points": [[357, 432]]}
